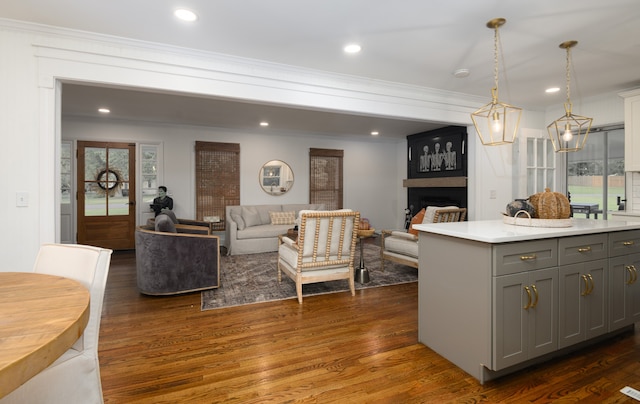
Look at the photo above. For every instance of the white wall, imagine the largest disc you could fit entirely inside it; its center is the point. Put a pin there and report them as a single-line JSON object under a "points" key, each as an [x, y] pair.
{"points": [[371, 166]]}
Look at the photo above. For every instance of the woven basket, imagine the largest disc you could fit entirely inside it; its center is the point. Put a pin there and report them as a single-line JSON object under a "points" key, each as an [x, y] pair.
{"points": [[366, 233], [530, 222]]}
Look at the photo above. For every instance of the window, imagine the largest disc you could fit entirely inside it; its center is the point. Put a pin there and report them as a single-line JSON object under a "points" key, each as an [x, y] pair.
{"points": [[325, 177], [217, 179], [149, 170], [595, 174], [541, 167]]}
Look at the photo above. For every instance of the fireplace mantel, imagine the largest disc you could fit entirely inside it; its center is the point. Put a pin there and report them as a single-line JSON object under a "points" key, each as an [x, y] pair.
{"points": [[439, 182]]}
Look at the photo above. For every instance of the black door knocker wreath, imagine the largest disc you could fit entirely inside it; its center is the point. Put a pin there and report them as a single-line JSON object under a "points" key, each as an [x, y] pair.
{"points": [[109, 180]]}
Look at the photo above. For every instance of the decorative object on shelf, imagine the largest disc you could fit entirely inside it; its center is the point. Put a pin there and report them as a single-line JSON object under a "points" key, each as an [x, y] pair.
{"points": [[497, 122], [569, 132], [523, 218], [520, 205], [550, 205]]}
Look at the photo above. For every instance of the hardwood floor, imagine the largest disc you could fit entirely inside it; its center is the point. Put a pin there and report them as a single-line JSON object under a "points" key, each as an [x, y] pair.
{"points": [[332, 348]]}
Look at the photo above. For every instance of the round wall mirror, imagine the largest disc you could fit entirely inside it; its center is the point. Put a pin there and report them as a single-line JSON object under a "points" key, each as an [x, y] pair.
{"points": [[276, 177]]}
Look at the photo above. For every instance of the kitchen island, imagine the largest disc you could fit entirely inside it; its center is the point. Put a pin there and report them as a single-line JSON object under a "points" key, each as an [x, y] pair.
{"points": [[495, 298]]}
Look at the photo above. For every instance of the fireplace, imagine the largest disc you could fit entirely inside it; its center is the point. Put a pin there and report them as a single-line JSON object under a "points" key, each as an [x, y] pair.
{"points": [[422, 197]]}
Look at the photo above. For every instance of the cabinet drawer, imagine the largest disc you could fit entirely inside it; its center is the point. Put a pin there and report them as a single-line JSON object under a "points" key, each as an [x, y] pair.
{"points": [[574, 250], [523, 256], [624, 242]]}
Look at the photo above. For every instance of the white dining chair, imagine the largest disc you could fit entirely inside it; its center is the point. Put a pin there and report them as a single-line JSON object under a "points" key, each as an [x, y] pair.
{"points": [[75, 376]]}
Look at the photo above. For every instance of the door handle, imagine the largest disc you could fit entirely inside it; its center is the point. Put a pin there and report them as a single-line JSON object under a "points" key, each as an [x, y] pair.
{"points": [[526, 288], [132, 202], [632, 278], [535, 292], [586, 286]]}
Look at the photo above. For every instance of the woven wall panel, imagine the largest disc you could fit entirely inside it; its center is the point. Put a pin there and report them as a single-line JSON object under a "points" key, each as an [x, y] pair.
{"points": [[217, 179]]}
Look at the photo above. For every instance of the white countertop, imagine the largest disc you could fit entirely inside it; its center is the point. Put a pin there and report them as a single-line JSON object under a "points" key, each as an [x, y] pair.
{"points": [[496, 231], [624, 213]]}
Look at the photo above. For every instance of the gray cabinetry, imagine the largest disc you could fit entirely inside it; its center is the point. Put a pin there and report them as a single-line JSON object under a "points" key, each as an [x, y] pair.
{"points": [[493, 303], [583, 287], [624, 287], [525, 316]]}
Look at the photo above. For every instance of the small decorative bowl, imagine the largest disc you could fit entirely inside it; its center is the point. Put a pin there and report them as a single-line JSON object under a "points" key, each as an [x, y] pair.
{"points": [[366, 233]]}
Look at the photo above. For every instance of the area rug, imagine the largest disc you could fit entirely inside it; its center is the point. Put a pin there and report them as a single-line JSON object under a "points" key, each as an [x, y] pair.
{"points": [[253, 278]]}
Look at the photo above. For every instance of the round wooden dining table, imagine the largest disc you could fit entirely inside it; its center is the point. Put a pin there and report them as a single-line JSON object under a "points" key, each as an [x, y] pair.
{"points": [[41, 317]]}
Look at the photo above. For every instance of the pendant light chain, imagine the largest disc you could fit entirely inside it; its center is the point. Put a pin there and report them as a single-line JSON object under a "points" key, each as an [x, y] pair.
{"points": [[568, 75], [495, 59]]}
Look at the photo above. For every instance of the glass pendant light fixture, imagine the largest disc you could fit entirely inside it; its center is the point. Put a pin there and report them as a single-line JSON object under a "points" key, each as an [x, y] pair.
{"points": [[569, 132], [496, 123]]}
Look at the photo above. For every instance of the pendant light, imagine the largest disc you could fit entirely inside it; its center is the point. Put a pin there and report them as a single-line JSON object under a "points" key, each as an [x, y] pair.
{"points": [[496, 123], [569, 132]]}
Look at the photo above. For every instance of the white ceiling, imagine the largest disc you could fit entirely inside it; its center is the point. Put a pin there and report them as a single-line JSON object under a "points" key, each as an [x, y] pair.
{"points": [[416, 42]]}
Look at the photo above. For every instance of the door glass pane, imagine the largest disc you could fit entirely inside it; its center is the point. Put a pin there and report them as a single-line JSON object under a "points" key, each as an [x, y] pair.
{"points": [[95, 200], [540, 154], [65, 173], [551, 160], [530, 152], [95, 160], [106, 182], [595, 174], [616, 185], [149, 168], [531, 181], [118, 182]]}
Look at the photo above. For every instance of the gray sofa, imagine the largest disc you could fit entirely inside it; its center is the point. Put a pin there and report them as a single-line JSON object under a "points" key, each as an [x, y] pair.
{"points": [[169, 262], [249, 229]]}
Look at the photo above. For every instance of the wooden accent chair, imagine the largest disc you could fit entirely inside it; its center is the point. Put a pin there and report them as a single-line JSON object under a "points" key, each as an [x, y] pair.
{"points": [[402, 247], [324, 250], [75, 376]]}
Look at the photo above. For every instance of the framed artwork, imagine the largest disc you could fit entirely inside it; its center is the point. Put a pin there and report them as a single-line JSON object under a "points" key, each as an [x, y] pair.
{"points": [[438, 153]]}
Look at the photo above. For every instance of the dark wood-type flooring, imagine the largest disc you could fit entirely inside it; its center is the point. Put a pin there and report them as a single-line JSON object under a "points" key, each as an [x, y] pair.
{"points": [[332, 348]]}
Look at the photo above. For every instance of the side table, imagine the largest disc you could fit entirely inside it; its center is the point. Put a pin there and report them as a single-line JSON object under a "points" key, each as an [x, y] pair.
{"points": [[361, 272]]}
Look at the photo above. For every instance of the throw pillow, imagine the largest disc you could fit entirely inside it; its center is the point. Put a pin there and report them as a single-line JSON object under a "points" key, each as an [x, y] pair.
{"points": [[283, 217], [238, 219], [164, 224], [251, 216], [417, 219], [430, 213]]}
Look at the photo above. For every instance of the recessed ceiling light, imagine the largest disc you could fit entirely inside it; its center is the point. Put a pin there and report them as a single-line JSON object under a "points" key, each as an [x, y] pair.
{"points": [[104, 110], [552, 90], [352, 48], [185, 15], [375, 133], [461, 73], [264, 123]]}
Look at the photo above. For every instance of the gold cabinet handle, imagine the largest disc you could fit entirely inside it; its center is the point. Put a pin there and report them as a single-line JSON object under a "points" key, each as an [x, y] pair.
{"points": [[591, 283], [632, 278], [586, 286], [635, 274], [584, 249], [528, 257], [627, 243], [535, 292], [526, 288]]}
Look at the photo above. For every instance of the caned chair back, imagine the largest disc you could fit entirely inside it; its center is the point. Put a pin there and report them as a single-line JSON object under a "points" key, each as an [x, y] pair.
{"points": [[327, 238], [450, 215]]}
